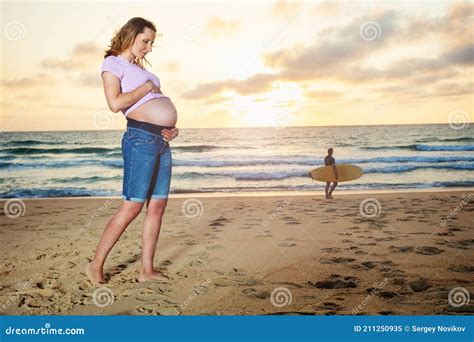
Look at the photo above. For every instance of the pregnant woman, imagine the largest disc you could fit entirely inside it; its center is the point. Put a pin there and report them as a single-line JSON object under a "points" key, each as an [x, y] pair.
{"points": [[151, 117]]}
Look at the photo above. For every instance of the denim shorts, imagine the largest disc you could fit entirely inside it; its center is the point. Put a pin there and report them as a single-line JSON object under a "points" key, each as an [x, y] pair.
{"points": [[147, 165]]}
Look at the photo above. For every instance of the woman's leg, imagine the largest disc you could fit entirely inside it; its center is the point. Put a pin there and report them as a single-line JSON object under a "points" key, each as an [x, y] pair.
{"points": [[127, 212], [150, 234], [155, 209]]}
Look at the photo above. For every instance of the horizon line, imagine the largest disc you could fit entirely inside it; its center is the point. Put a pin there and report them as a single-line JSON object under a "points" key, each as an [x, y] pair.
{"points": [[258, 127]]}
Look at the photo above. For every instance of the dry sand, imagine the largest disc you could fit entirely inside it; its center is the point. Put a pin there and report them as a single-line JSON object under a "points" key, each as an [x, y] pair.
{"points": [[247, 255]]}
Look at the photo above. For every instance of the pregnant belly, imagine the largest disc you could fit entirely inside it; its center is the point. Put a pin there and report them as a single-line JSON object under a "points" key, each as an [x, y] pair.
{"points": [[160, 111]]}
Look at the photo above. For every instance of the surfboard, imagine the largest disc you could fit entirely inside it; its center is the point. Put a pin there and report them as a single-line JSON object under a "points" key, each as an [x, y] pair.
{"points": [[346, 173]]}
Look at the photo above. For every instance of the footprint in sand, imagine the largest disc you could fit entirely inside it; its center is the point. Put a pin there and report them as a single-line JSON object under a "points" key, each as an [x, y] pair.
{"points": [[264, 235], [329, 306], [155, 309], [287, 244], [461, 268], [166, 263], [254, 293], [331, 250], [291, 220], [445, 234], [461, 244], [388, 238], [214, 247], [149, 309], [419, 285], [402, 249], [223, 282], [336, 282], [287, 283], [369, 264], [428, 250], [336, 260], [383, 294], [246, 226]]}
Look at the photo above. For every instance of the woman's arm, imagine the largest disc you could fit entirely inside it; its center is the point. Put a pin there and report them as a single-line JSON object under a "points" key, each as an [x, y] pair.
{"points": [[118, 100]]}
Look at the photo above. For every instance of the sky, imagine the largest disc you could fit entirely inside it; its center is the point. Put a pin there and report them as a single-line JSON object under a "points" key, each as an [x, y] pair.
{"points": [[244, 63]]}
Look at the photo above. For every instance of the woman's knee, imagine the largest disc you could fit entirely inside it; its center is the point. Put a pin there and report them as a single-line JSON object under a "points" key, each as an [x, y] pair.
{"points": [[131, 209], [157, 206]]}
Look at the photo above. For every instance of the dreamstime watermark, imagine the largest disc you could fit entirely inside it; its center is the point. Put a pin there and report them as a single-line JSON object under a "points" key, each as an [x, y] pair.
{"points": [[102, 297], [192, 208], [193, 31], [358, 131], [14, 30], [281, 118], [22, 286], [12, 121], [103, 119], [99, 211], [370, 208], [197, 290], [370, 30], [14, 208], [457, 209], [379, 287], [46, 330], [280, 297], [278, 210], [458, 120], [460, 29], [458, 296]]}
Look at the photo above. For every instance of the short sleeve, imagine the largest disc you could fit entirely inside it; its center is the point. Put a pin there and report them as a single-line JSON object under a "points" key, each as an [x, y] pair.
{"points": [[156, 79], [109, 64]]}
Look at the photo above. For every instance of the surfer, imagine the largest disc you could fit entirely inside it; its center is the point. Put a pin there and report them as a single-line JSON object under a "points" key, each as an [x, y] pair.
{"points": [[328, 161]]}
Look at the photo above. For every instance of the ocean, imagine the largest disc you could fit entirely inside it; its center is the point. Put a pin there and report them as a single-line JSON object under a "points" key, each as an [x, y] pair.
{"points": [[89, 163]]}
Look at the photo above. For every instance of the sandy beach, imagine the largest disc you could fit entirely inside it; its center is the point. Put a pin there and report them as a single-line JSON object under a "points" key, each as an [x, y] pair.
{"points": [[395, 253]]}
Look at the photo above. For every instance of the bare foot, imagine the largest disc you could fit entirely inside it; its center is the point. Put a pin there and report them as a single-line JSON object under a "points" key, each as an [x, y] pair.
{"points": [[152, 276], [95, 275]]}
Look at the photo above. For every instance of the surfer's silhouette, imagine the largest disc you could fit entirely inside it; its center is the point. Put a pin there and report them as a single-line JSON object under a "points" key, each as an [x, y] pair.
{"points": [[329, 160]]}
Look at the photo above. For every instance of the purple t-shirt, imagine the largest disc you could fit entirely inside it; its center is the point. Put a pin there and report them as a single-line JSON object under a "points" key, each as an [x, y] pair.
{"points": [[131, 76]]}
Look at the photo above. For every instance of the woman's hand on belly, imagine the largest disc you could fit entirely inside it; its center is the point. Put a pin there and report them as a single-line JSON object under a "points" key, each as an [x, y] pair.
{"points": [[170, 134], [155, 89]]}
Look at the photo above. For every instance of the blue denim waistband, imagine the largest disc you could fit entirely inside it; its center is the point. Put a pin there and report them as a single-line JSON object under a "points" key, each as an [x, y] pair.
{"points": [[149, 127]]}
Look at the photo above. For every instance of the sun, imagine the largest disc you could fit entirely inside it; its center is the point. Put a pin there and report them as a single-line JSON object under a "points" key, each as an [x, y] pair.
{"points": [[270, 109]]}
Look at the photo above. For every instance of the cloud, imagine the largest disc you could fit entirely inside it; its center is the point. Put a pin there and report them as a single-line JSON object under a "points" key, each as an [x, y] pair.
{"points": [[222, 28], [462, 55], [319, 94], [334, 47], [287, 10], [326, 8], [257, 83], [170, 66], [80, 58], [90, 79], [452, 29], [342, 53], [40, 79]]}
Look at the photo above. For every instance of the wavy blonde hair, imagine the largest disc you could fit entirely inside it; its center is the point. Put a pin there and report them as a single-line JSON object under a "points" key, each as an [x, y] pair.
{"points": [[126, 36]]}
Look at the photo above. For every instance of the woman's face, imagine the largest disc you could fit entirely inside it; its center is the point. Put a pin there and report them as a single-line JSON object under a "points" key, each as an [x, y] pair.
{"points": [[143, 43]]}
